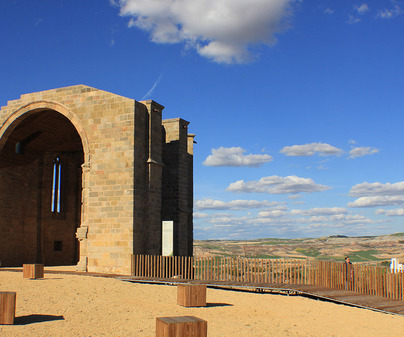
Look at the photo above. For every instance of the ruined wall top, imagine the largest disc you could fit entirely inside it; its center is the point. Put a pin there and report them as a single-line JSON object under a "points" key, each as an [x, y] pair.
{"points": [[70, 92]]}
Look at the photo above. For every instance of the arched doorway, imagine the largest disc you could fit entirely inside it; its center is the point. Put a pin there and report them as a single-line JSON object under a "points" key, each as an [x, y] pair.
{"points": [[41, 155]]}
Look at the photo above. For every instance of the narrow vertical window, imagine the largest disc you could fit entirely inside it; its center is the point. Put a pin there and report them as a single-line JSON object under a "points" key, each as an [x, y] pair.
{"points": [[56, 185]]}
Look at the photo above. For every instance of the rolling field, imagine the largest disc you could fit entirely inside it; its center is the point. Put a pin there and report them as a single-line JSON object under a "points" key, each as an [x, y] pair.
{"points": [[374, 249]]}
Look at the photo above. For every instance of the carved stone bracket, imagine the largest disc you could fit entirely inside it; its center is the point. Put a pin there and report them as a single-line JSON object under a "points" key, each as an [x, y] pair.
{"points": [[86, 166], [152, 161], [81, 233]]}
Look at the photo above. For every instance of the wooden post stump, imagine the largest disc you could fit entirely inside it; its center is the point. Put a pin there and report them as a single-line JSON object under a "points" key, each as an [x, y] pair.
{"points": [[7, 307], [32, 271], [191, 295], [181, 326]]}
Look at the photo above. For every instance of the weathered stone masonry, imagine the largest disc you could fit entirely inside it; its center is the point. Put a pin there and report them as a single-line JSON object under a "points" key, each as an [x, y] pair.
{"points": [[87, 177]]}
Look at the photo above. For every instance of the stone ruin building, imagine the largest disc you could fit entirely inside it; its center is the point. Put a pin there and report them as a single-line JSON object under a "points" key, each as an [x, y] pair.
{"points": [[87, 178]]}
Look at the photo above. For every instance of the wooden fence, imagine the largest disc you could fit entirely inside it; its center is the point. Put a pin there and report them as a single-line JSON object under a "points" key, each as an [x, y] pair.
{"points": [[364, 279]]}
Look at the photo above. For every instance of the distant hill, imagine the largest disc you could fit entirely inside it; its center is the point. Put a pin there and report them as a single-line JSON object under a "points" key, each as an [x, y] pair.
{"points": [[375, 249]]}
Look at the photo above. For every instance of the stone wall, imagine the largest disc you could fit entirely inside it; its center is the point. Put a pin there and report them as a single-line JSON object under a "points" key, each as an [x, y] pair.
{"points": [[18, 214], [116, 199], [177, 184]]}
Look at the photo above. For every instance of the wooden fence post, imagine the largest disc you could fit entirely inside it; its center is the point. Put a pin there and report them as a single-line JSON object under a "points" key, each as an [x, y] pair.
{"points": [[370, 280]]}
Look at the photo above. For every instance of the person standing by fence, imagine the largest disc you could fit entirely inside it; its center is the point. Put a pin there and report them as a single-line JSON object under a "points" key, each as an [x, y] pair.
{"points": [[349, 273]]}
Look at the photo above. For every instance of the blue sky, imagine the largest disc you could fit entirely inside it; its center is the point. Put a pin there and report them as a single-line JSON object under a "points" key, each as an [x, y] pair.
{"points": [[297, 106]]}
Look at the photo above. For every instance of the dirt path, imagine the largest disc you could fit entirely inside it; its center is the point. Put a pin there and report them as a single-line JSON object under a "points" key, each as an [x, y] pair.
{"points": [[70, 305]]}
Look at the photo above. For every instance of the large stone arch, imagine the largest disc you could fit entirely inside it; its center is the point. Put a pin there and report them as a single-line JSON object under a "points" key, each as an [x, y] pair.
{"points": [[31, 108], [31, 138]]}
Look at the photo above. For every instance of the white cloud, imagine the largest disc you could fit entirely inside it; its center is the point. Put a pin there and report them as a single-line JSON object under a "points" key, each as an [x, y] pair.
{"points": [[389, 13], [280, 223], [359, 10], [362, 151], [377, 194], [391, 212], [340, 219], [199, 215], [295, 196], [362, 9], [222, 30], [275, 213], [277, 185], [321, 149], [319, 211], [352, 20], [228, 220], [377, 201], [212, 204], [328, 11], [224, 226], [379, 189], [351, 219], [234, 156]]}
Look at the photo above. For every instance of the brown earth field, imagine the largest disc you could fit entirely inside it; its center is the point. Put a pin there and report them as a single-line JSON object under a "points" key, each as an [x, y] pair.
{"points": [[368, 249], [77, 305]]}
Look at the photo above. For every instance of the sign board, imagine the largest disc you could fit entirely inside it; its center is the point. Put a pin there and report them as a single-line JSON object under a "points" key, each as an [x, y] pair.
{"points": [[168, 238]]}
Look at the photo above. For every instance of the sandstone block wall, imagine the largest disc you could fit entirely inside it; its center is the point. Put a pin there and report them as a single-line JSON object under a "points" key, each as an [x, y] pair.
{"points": [[177, 190], [114, 191]]}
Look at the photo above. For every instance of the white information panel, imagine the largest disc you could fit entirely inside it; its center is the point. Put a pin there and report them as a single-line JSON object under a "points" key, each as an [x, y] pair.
{"points": [[168, 238]]}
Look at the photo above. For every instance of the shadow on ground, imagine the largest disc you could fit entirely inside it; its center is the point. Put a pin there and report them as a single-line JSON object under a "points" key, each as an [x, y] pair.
{"points": [[210, 305], [36, 318]]}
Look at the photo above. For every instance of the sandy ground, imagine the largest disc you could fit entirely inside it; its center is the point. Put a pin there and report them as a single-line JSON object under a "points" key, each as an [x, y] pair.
{"points": [[70, 305]]}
